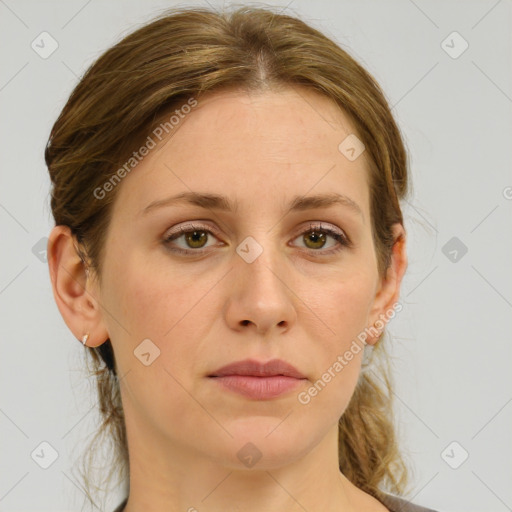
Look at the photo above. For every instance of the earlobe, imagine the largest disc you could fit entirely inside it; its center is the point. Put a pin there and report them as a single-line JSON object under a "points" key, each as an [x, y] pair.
{"points": [[71, 286], [388, 293]]}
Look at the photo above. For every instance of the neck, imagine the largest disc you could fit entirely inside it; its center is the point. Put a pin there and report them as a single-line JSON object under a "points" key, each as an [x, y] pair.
{"points": [[181, 479]]}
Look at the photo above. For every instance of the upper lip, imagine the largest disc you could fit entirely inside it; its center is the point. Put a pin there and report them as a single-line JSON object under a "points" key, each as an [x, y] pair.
{"points": [[255, 368]]}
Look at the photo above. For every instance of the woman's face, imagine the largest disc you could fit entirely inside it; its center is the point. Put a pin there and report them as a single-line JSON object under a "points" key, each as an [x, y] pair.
{"points": [[251, 284]]}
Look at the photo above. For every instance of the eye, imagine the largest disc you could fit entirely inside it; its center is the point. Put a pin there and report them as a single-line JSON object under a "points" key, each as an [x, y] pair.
{"points": [[317, 235], [194, 236]]}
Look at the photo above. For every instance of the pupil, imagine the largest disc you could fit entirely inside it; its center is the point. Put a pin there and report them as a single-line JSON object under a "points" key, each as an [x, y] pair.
{"points": [[316, 237], [196, 236]]}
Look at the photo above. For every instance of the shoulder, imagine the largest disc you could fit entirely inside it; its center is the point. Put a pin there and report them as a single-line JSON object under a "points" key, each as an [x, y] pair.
{"points": [[397, 504]]}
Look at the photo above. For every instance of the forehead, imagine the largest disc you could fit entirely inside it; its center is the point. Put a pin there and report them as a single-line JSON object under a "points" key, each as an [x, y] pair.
{"points": [[284, 119], [247, 145]]}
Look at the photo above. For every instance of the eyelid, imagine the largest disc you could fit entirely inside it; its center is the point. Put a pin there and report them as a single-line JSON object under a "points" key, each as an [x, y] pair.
{"points": [[310, 224], [191, 226], [323, 226]]}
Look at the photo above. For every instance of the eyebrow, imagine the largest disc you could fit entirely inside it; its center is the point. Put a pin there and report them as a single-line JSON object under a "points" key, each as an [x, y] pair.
{"points": [[223, 203]]}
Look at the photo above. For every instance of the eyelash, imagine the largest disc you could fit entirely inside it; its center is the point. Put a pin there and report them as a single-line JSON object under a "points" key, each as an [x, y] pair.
{"points": [[343, 240]]}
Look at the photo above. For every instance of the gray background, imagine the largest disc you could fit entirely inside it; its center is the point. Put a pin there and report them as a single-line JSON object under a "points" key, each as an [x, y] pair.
{"points": [[451, 343]]}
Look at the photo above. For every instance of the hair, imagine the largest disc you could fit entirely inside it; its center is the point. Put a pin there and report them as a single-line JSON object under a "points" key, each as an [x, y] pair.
{"points": [[186, 53]]}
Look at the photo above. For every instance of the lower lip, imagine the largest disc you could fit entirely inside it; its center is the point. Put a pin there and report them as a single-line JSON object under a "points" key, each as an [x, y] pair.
{"points": [[259, 388]]}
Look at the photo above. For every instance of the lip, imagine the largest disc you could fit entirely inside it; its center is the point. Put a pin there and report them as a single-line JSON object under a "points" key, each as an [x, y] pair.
{"points": [[251, 367], [258, 380]]}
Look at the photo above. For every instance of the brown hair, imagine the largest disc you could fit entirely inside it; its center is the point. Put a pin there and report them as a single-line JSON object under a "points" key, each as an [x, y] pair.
{"points": [[182, 54]]}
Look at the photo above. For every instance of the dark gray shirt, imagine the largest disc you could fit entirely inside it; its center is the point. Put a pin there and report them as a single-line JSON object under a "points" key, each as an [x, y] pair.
{"points": [[393, 503]]}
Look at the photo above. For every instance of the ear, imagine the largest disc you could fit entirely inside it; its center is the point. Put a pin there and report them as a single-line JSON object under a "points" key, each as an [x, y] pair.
{"points": [[388, 289], [73, 290]]}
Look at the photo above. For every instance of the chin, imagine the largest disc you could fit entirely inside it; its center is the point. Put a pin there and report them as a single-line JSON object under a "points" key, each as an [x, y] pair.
{"points": [[264, 443]]}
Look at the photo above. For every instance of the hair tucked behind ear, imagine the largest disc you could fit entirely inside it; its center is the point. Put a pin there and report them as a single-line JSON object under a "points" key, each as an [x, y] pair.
{"points": [[184, 54]]}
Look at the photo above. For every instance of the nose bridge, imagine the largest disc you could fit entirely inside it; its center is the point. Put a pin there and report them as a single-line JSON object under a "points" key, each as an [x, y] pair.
{"points": [[263, 261], [263, 295]]}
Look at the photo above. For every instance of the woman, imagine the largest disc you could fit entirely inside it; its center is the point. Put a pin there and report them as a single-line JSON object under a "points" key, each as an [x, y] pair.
{"points": [[229, 246]]}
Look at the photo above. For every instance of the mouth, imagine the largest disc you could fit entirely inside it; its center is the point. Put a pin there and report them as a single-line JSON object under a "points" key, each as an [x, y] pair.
{"points": [[258, 380]]}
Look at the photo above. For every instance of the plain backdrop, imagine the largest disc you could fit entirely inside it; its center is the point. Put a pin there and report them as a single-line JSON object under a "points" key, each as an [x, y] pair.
{"points": [[445, 67]]}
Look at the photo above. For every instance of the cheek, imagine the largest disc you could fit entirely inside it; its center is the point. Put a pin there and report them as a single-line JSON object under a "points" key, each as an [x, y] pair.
{"points": [[344, 312], [344, 306], [150, 306], [146, 297], [152, 301]]}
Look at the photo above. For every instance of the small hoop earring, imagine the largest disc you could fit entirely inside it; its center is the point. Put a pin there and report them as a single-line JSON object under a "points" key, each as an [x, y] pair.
{"points": [[85, 337]]}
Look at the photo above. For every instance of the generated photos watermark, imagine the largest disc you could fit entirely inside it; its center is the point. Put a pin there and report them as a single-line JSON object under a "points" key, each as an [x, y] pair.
{"points": [[304, 397], [158, 133]]}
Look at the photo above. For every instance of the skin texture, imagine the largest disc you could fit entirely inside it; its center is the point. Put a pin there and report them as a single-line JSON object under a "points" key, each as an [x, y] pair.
{"points": [[306, 307]]}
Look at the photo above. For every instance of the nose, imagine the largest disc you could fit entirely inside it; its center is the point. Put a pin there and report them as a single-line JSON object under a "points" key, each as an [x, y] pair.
{"points": [[261, 297]]}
